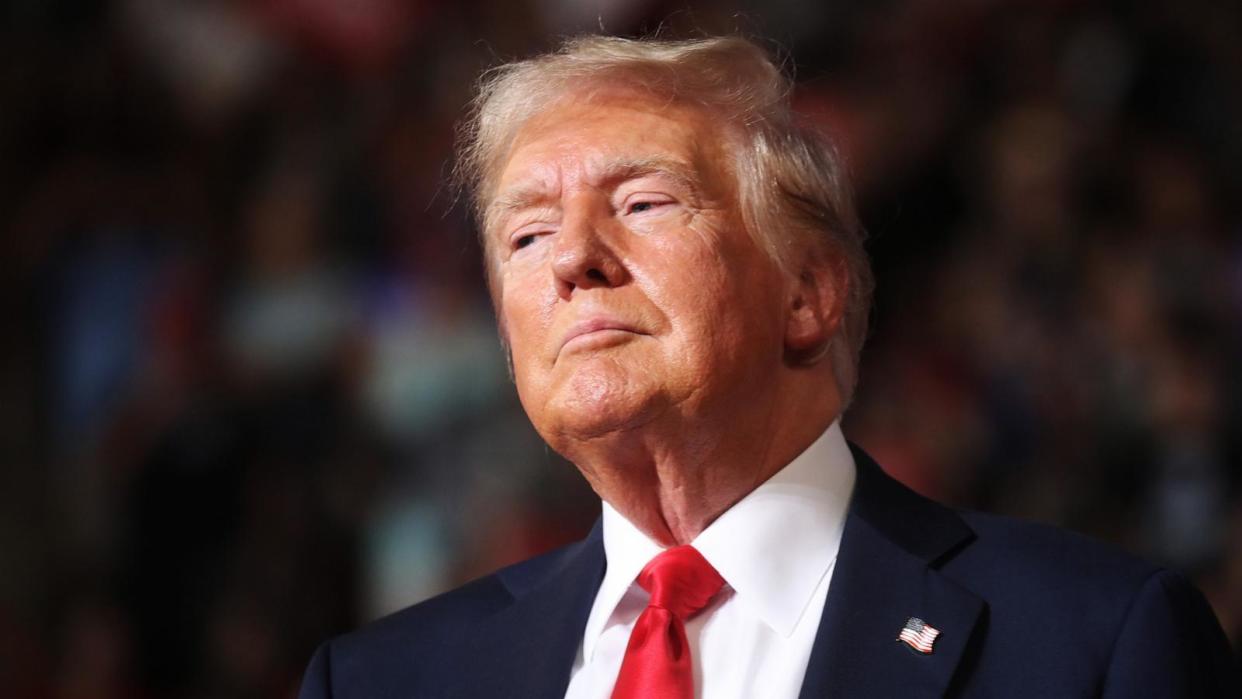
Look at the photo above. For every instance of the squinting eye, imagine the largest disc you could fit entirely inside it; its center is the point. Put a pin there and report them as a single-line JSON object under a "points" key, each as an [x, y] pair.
{"points": [[523, 241], [643, 206]]}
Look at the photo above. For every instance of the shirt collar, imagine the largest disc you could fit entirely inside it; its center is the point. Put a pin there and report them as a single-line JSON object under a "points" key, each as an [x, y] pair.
{"points": [[809, 496]]}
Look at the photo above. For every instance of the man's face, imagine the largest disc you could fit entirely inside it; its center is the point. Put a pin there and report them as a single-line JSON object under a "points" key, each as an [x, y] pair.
{"points": [[626, 285]]}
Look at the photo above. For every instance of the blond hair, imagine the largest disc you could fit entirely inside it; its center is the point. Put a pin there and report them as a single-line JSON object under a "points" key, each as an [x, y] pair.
{"points": [[791, 185]]}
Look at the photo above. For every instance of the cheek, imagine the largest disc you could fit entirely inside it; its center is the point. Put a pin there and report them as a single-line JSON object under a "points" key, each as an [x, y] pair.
{"points": [[529, 377], [706, 270], [525, 315], [729, 306], [693, 291]]}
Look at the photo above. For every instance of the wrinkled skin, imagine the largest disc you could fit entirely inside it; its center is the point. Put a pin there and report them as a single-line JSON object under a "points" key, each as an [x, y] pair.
{"points": [[648, 330]]}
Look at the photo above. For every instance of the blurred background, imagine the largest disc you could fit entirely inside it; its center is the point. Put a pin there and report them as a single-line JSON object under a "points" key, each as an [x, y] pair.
{"points": [[251, 394]]}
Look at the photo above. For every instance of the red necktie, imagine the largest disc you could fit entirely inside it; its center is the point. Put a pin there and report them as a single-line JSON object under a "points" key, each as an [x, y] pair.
{"points": [[657, 660]]}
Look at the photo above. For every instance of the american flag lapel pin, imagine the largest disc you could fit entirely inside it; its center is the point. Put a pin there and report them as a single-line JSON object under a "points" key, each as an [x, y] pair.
{"points": [[919, 635]]}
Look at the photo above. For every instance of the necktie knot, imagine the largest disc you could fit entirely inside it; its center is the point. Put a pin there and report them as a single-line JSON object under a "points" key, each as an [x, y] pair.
{"points": [[681, 581], [657, 659]]}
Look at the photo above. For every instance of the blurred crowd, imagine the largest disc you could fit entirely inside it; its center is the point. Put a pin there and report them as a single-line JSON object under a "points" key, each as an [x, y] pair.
{"points": [[252, 393]]}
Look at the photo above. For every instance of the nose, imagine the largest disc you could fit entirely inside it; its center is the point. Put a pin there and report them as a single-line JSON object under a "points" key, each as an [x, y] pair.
{"points": [[584, 257]]}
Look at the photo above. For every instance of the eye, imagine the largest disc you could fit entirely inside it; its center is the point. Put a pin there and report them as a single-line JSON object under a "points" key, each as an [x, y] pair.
{"points": [[526, 236], [645, 204]]}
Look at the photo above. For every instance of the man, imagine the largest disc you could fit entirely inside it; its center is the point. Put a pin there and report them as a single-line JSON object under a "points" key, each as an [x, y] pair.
{"points": [[678, 276]]}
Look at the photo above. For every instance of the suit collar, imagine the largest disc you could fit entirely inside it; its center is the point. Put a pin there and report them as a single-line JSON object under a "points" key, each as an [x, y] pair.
{"points": [[886, 572], [925, 529], [530, 645]]}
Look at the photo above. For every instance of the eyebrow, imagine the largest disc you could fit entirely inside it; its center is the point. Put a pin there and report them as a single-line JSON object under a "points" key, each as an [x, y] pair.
{"points": [[522, 197]]}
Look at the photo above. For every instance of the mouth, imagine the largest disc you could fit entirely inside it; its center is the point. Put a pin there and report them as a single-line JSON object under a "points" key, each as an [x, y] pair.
{"points": [[595, 333]]}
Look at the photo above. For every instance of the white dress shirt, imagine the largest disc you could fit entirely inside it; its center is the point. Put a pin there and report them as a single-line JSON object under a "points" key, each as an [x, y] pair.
{"points": [[775, 549]]}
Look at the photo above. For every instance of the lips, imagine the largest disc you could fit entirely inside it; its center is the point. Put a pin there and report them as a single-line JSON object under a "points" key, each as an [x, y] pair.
{"points": [[594, 330]]}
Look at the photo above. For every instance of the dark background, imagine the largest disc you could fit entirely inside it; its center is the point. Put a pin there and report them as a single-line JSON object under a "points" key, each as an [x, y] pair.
{"points": [[250, 390]]}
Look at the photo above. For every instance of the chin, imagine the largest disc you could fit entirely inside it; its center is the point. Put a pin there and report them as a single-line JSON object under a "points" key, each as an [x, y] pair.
{"points": [[594, 404]]}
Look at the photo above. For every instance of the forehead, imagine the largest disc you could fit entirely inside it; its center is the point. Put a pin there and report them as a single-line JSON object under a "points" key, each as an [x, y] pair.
{"points": [[588, 139]]}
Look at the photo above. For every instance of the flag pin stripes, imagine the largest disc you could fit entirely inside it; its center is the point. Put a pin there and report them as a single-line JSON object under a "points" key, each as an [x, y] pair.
{"points": [[919, 635]]}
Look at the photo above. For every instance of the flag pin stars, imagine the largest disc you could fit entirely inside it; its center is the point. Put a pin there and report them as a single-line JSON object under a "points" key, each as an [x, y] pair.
{"points": [[919, 635]]}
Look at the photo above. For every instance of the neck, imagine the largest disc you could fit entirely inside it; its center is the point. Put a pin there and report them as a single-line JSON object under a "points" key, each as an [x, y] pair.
{"points": [[673, 478]]}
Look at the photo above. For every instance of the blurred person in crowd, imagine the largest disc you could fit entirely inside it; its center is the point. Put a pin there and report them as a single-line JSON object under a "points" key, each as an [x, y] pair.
{"points": [[680, 282]]}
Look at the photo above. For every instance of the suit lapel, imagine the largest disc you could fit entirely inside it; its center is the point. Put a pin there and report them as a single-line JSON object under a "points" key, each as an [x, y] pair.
{"points": [[527, 649], [885, 574]]}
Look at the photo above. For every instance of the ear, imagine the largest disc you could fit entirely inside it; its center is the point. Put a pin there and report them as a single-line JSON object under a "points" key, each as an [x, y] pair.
{"points": [[816, 306]]}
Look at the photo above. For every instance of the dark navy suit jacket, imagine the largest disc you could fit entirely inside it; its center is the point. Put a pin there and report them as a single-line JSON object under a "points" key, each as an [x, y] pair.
{"points": [[1024, 611]]}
